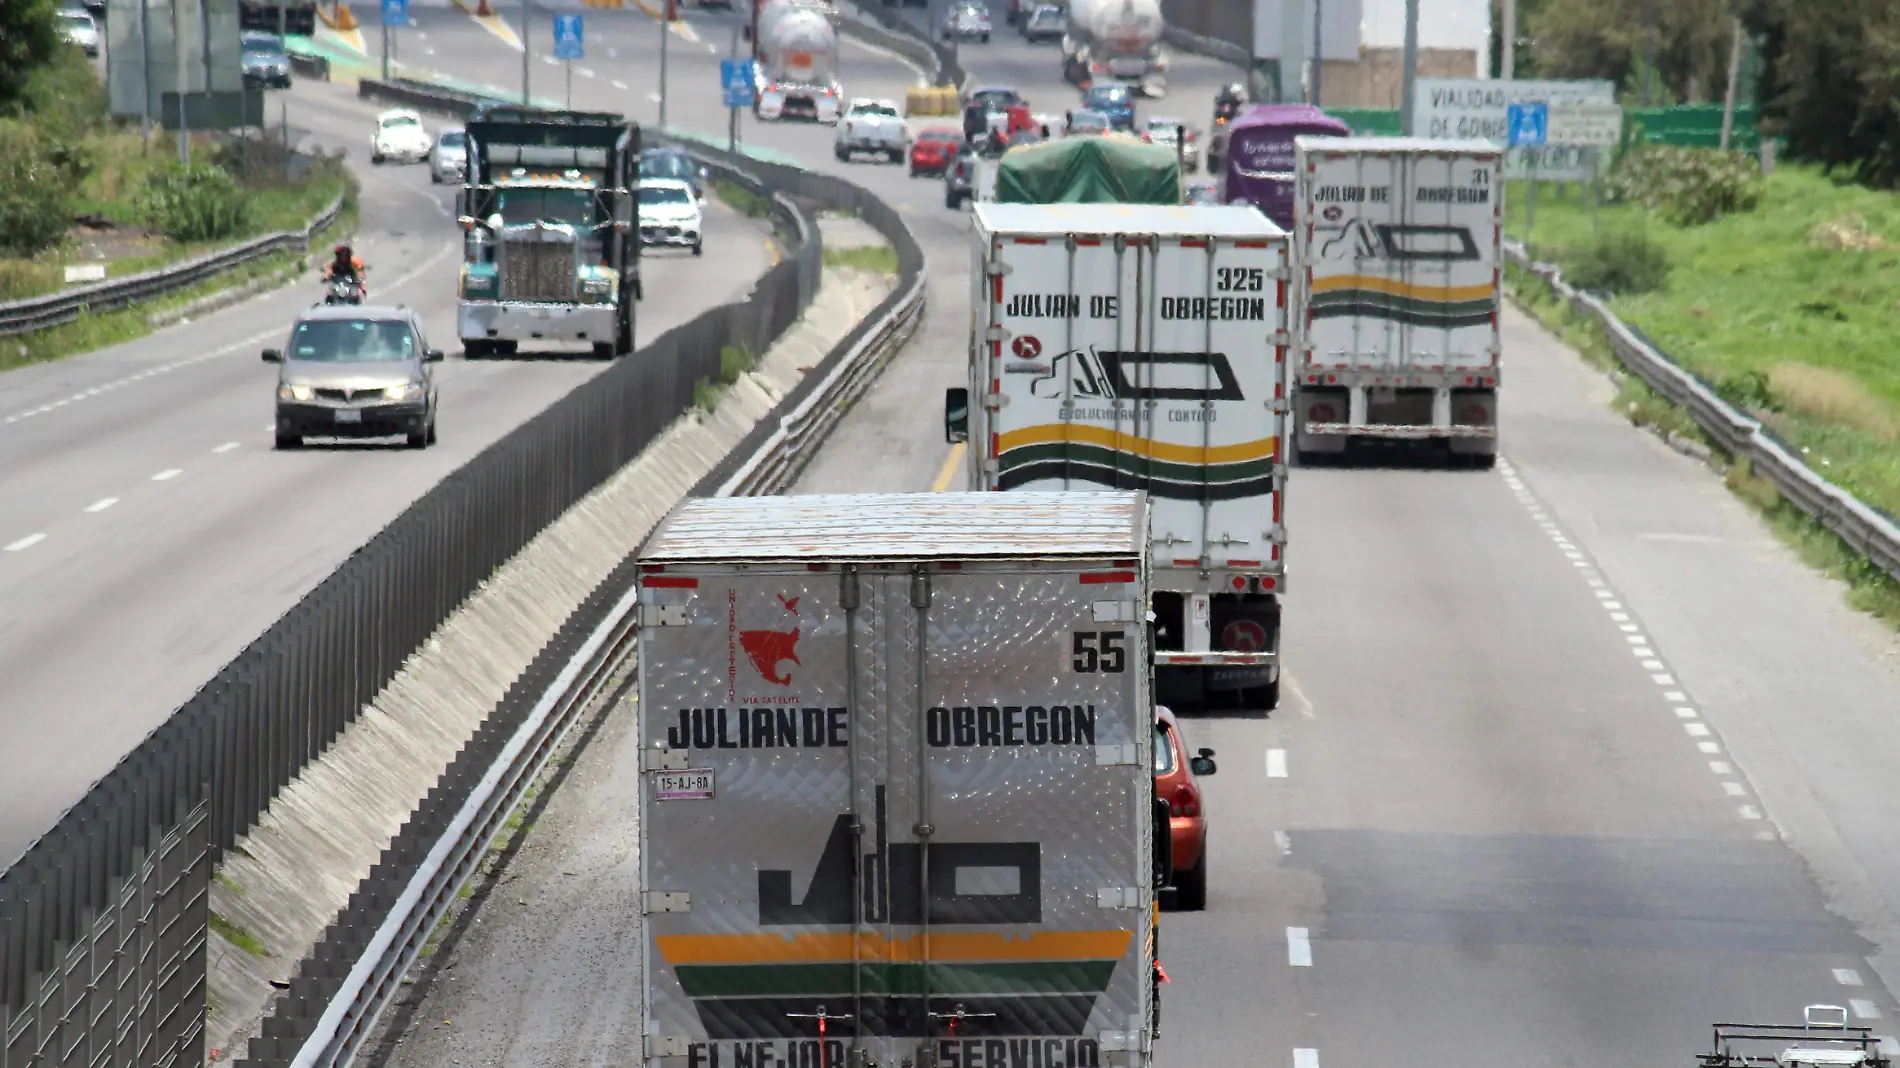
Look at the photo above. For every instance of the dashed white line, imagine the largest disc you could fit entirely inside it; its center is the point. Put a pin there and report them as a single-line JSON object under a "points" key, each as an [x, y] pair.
{"points": [[653, 97], [584, 72], [618, 84], [1664, 680], [1306, 1058], [1847, 977], [1276, 763], [168, 474], [1686, 713], [1721, 767], [1863, 1008], [1708, 747], [1282, 842], [226, 447], [25, 543], [1749, 812], [1299, 948], [1734, 789], [1676, 696], [117, 383], [1696, 730], [101, 505]]}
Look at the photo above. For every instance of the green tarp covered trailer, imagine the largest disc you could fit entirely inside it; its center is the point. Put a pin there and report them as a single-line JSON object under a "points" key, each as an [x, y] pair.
{"points": [[1106, 169]]}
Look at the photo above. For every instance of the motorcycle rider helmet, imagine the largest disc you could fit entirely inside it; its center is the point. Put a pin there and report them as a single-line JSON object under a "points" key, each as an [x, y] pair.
{"points": [[342, 250]]}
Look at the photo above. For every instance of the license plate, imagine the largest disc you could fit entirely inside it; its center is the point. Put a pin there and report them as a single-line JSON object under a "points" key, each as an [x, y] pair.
{"points": [[694, 785], [348, 415]]}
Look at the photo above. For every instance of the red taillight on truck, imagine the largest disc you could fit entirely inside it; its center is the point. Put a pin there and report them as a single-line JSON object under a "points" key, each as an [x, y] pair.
{"points": [[1186, 801], [1321, 413]]}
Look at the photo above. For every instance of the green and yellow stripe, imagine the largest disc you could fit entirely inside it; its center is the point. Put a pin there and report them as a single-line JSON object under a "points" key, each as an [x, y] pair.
{"points": [[1371, 297], [1102, 456]]}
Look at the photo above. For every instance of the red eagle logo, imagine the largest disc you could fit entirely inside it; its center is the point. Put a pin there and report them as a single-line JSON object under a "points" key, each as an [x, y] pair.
{"points": [[767, 649]]}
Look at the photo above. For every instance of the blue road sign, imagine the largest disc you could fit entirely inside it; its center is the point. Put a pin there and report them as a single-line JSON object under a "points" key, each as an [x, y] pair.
{"points": [[1529, 123], [733, 71], [395, 12], [739, 96], [567, 37]]}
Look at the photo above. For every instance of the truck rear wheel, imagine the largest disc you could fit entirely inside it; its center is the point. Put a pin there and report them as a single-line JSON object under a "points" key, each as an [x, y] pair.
{"points": [[1190, 886]]}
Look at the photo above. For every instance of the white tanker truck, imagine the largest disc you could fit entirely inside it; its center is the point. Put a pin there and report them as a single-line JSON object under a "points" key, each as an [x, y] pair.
{"points": [[1116, 41], [796, 45]]}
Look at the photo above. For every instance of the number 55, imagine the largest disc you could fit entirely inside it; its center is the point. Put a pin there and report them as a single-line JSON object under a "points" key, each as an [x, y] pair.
{"points": [[1100, 651]]}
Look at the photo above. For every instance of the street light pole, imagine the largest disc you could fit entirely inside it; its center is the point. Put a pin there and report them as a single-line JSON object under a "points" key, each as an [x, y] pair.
{"points": [[1509, 64], [1319, 57], [527, 53], [1409, 86], [666, 30]]}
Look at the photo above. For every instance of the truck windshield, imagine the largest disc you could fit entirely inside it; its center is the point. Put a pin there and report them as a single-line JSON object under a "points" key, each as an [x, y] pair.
{"points": [[663, 194], [352, 341], [574, 207]]}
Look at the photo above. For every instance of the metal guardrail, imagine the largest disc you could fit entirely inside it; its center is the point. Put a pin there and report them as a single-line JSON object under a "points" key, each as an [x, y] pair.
{"points": [[356, 970], [1869, 531], [41, 313]]}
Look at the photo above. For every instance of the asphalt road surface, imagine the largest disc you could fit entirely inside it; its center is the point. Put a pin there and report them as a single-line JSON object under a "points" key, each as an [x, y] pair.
{"points": [[148, 530], [1574, 758]]}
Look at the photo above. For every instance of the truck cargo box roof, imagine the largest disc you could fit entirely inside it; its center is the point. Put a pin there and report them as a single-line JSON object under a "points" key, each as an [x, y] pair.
{"points": [[1063, 219], [901, 526], [1395, 144]]}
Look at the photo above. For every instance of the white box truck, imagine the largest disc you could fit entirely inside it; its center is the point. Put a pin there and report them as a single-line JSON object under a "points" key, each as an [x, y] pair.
{"points": [[1133, 346], [899, 802], [1399, 247]]}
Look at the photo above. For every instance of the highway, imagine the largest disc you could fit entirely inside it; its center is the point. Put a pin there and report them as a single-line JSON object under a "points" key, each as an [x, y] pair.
{"points": [[149, 531], [1574, 760]]}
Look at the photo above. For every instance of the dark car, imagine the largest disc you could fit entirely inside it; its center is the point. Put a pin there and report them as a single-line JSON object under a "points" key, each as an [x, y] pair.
{"points": [[263, 61], [356, 371], [959, 179], [1115, 101], [934, 151], [673, 162]]}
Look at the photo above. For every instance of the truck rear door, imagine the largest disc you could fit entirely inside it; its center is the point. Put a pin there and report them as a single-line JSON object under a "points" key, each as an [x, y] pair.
{"points": [[1446, 249], [1152, 363], [838, 855], [1358, 300]]}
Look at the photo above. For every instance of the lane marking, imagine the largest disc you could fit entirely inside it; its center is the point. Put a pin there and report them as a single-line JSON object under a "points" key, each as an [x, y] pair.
{"points": [[1710, 748], [1721, 767], [1863, 1008], [1282, 842], [949, 469], [1686, 713], [1299, 948], [1750, 812], [1696, 730], [25, 543], [1306, 1058], [1676, 695], [1276, 763], [1664, 680], [1734, 789], [140, 376], [1847, 977], [584, 72], [618, 84], [101, 505], [226, 447], [168, 474]]}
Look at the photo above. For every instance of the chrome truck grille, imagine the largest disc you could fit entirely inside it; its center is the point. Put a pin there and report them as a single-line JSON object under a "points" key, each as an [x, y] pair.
{"points": [[538, 270]]}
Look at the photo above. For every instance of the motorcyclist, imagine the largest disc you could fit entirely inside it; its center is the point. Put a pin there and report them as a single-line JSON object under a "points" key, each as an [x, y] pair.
{"points": [[1228, 101], [347, 265]]}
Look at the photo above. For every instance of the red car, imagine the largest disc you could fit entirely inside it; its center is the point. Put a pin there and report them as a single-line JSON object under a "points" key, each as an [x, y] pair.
{"points": [[1176, 776], [934, 150]]}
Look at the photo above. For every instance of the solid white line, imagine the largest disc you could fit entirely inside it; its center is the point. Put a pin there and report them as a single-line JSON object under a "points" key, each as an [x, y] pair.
{"points": [[1306, 1058], [1864, 1009], [1847, 977], [1734, 789], [1299, 948], [101, 504], [226, 447], [168, 474], [1276, 763], [26, 543]]}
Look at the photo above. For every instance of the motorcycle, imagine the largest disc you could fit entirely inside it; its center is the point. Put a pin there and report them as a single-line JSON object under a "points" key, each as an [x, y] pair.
{"points": [[344, 291]]}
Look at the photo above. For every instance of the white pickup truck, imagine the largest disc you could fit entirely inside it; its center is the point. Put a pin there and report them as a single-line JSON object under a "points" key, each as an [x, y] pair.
{"points": [[874, 126]]}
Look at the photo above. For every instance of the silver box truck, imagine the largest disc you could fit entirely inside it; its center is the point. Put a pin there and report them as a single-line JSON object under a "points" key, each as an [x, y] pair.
{"points": [[1143, 347], [899, 804]]}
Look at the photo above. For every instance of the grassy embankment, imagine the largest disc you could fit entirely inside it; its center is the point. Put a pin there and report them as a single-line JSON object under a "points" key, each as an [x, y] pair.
{"points": [[1787, 308]]}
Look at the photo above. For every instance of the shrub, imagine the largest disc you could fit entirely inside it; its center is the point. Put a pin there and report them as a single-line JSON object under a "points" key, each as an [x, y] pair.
{"points": [[1622, 261], [194, 203], [1686, 186], [35, 204]]}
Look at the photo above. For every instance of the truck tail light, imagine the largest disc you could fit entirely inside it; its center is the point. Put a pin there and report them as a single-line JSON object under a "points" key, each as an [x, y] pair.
{"points": [[1186, 800], [1321, 413]]}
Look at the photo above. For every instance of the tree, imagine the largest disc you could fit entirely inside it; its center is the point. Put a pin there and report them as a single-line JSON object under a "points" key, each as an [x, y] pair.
{"points": [[1605, 39], [1832, 81], [29, 35]]}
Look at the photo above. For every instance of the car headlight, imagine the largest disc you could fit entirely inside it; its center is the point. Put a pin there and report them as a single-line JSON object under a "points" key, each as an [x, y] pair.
{"points": [[294, 392], [406, 391]]}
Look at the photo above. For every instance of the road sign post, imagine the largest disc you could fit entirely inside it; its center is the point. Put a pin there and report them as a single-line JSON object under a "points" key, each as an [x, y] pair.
{"points": [[568, 47], [395, 13], [1529, 127], [736, 83]]}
